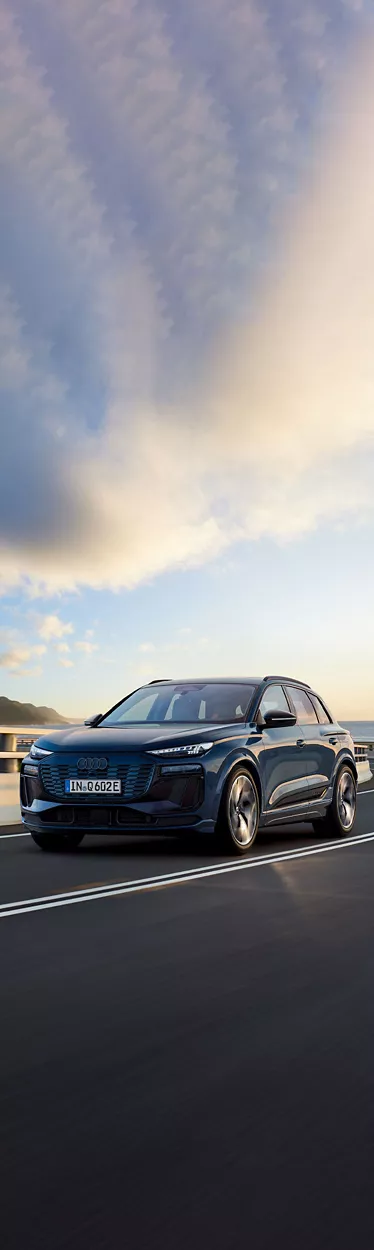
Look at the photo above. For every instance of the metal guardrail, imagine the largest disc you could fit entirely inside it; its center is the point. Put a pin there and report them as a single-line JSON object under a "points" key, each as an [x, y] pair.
{"points": [[364, 756], [16, 740]]}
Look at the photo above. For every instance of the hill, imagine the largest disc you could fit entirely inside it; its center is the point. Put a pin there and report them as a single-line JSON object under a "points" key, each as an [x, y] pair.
{"points": [[14, 713]]}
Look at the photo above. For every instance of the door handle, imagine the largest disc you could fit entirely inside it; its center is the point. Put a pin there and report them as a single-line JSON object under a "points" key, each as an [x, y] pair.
{"points": [[300, 742], [333, 741]]}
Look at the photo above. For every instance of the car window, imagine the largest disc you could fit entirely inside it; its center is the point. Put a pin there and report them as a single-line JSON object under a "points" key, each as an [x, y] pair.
{"points": [[305, 712], [273, 700], [190, 703], [213, 703], [139, 710], [323, 716], [185, 708]]}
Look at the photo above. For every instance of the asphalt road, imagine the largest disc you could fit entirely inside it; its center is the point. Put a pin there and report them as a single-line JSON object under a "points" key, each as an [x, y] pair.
{"points": [[188, 1066]]}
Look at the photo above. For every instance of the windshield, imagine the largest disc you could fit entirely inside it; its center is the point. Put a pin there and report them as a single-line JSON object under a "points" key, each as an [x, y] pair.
{"points": [[186, 703]]}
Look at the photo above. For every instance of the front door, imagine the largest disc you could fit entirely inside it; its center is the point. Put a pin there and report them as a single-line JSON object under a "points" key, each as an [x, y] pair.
{"points": [[284, 764]]}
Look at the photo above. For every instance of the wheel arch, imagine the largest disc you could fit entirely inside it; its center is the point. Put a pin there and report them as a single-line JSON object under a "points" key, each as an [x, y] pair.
{"points": [[249, 764], [342, 760]]}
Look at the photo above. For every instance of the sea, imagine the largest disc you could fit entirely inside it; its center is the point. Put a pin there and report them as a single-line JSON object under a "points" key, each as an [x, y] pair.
{"points": [[361, 730]]}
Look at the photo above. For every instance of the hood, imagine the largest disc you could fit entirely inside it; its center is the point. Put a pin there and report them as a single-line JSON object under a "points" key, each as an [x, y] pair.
{"points": [[134, 737]]}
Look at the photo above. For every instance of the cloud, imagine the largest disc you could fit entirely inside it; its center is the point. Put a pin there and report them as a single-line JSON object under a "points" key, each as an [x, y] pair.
{"points": [[12, 659], [62, 647], [51, 626], [301, 381], [168, 132], [87, 647], [15, 659], [195, 367], [27, 672], [66, 663], [185, 643]]}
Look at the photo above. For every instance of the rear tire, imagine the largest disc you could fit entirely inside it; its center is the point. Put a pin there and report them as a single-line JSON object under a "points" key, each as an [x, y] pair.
{"points": [[57, 841], [239, 813], [341, 815]]}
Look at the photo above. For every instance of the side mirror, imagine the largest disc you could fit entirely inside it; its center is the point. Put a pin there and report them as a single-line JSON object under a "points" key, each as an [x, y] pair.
{"points": [[93, 720], [275, 719]]}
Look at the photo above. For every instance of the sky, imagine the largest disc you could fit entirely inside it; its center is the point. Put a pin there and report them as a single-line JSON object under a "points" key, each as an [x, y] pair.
{"points": [[186, 346]]}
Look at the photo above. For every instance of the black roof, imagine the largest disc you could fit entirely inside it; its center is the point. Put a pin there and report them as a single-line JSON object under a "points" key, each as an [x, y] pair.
{"points": [[206, 681], [225, 681]]}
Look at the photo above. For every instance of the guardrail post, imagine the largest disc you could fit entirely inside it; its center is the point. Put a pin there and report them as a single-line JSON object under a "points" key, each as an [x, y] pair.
{"points": [[8, 742]]}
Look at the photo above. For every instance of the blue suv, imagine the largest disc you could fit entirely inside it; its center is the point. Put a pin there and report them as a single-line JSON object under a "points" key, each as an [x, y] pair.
{"points": [[224, 756]]}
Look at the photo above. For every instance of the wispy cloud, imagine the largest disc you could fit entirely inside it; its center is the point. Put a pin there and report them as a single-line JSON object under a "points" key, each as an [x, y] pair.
{"points": [[186, 643], [27, 672], [51, 626], [14, 661], [87, 648], [187, 283], [170, 141]]}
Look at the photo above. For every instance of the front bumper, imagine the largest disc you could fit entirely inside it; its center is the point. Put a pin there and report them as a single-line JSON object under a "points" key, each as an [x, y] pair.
{"points": [[174, 800]]}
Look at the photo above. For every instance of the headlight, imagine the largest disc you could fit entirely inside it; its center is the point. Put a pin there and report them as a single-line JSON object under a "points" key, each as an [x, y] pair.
{"points": [[38, 753], [194, 748]]}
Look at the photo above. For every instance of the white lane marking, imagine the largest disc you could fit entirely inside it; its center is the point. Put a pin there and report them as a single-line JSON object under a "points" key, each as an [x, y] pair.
{"points": [[94, 893], [361, 793], [3, 836]]}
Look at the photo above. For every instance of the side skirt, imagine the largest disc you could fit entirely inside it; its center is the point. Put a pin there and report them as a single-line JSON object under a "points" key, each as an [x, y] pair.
{"points": [[296, 813]]}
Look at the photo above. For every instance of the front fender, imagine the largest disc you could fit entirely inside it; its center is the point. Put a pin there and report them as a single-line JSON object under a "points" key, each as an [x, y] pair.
{"points": [[240, 755]]}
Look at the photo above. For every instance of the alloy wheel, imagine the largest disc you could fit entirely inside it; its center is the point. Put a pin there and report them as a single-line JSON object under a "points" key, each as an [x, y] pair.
{"points": [[243, 810], [346, 799]]}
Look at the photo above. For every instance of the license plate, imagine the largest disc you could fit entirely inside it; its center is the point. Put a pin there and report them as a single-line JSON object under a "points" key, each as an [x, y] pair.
{"points": [[89, 785]]}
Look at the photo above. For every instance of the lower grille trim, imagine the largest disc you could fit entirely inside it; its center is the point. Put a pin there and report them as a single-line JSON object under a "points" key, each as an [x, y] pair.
{"points": [[117, 819]]}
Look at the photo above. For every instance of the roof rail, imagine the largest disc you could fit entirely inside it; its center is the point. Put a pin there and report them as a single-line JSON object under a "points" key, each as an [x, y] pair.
{"points": [[281, 677], [156, 681]]}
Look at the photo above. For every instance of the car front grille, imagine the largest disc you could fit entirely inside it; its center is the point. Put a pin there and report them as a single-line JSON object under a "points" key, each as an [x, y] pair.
{"points": [[135, 775]]}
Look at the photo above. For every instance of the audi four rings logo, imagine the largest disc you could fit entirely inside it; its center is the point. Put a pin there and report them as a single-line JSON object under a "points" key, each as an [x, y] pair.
{"points": [[93, 763]]}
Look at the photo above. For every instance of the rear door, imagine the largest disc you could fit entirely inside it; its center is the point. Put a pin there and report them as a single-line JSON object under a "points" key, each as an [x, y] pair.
{"points": [[284, 762], [330, 731], [320, 748]]}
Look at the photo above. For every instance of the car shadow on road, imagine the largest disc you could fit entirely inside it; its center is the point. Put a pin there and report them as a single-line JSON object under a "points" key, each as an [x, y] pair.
{"points": [[196, 846]]}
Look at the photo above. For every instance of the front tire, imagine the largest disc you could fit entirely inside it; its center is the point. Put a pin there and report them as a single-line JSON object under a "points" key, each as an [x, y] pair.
{"points": [[57, 841], [340, 817], [239, 814]]}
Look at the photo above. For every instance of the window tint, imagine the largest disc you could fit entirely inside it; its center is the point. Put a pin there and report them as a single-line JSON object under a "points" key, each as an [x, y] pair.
{"points": [[184, 707], [274, 700], [190, 703], [305, 712], [210, 703], [138, 710], [323, 716]]}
